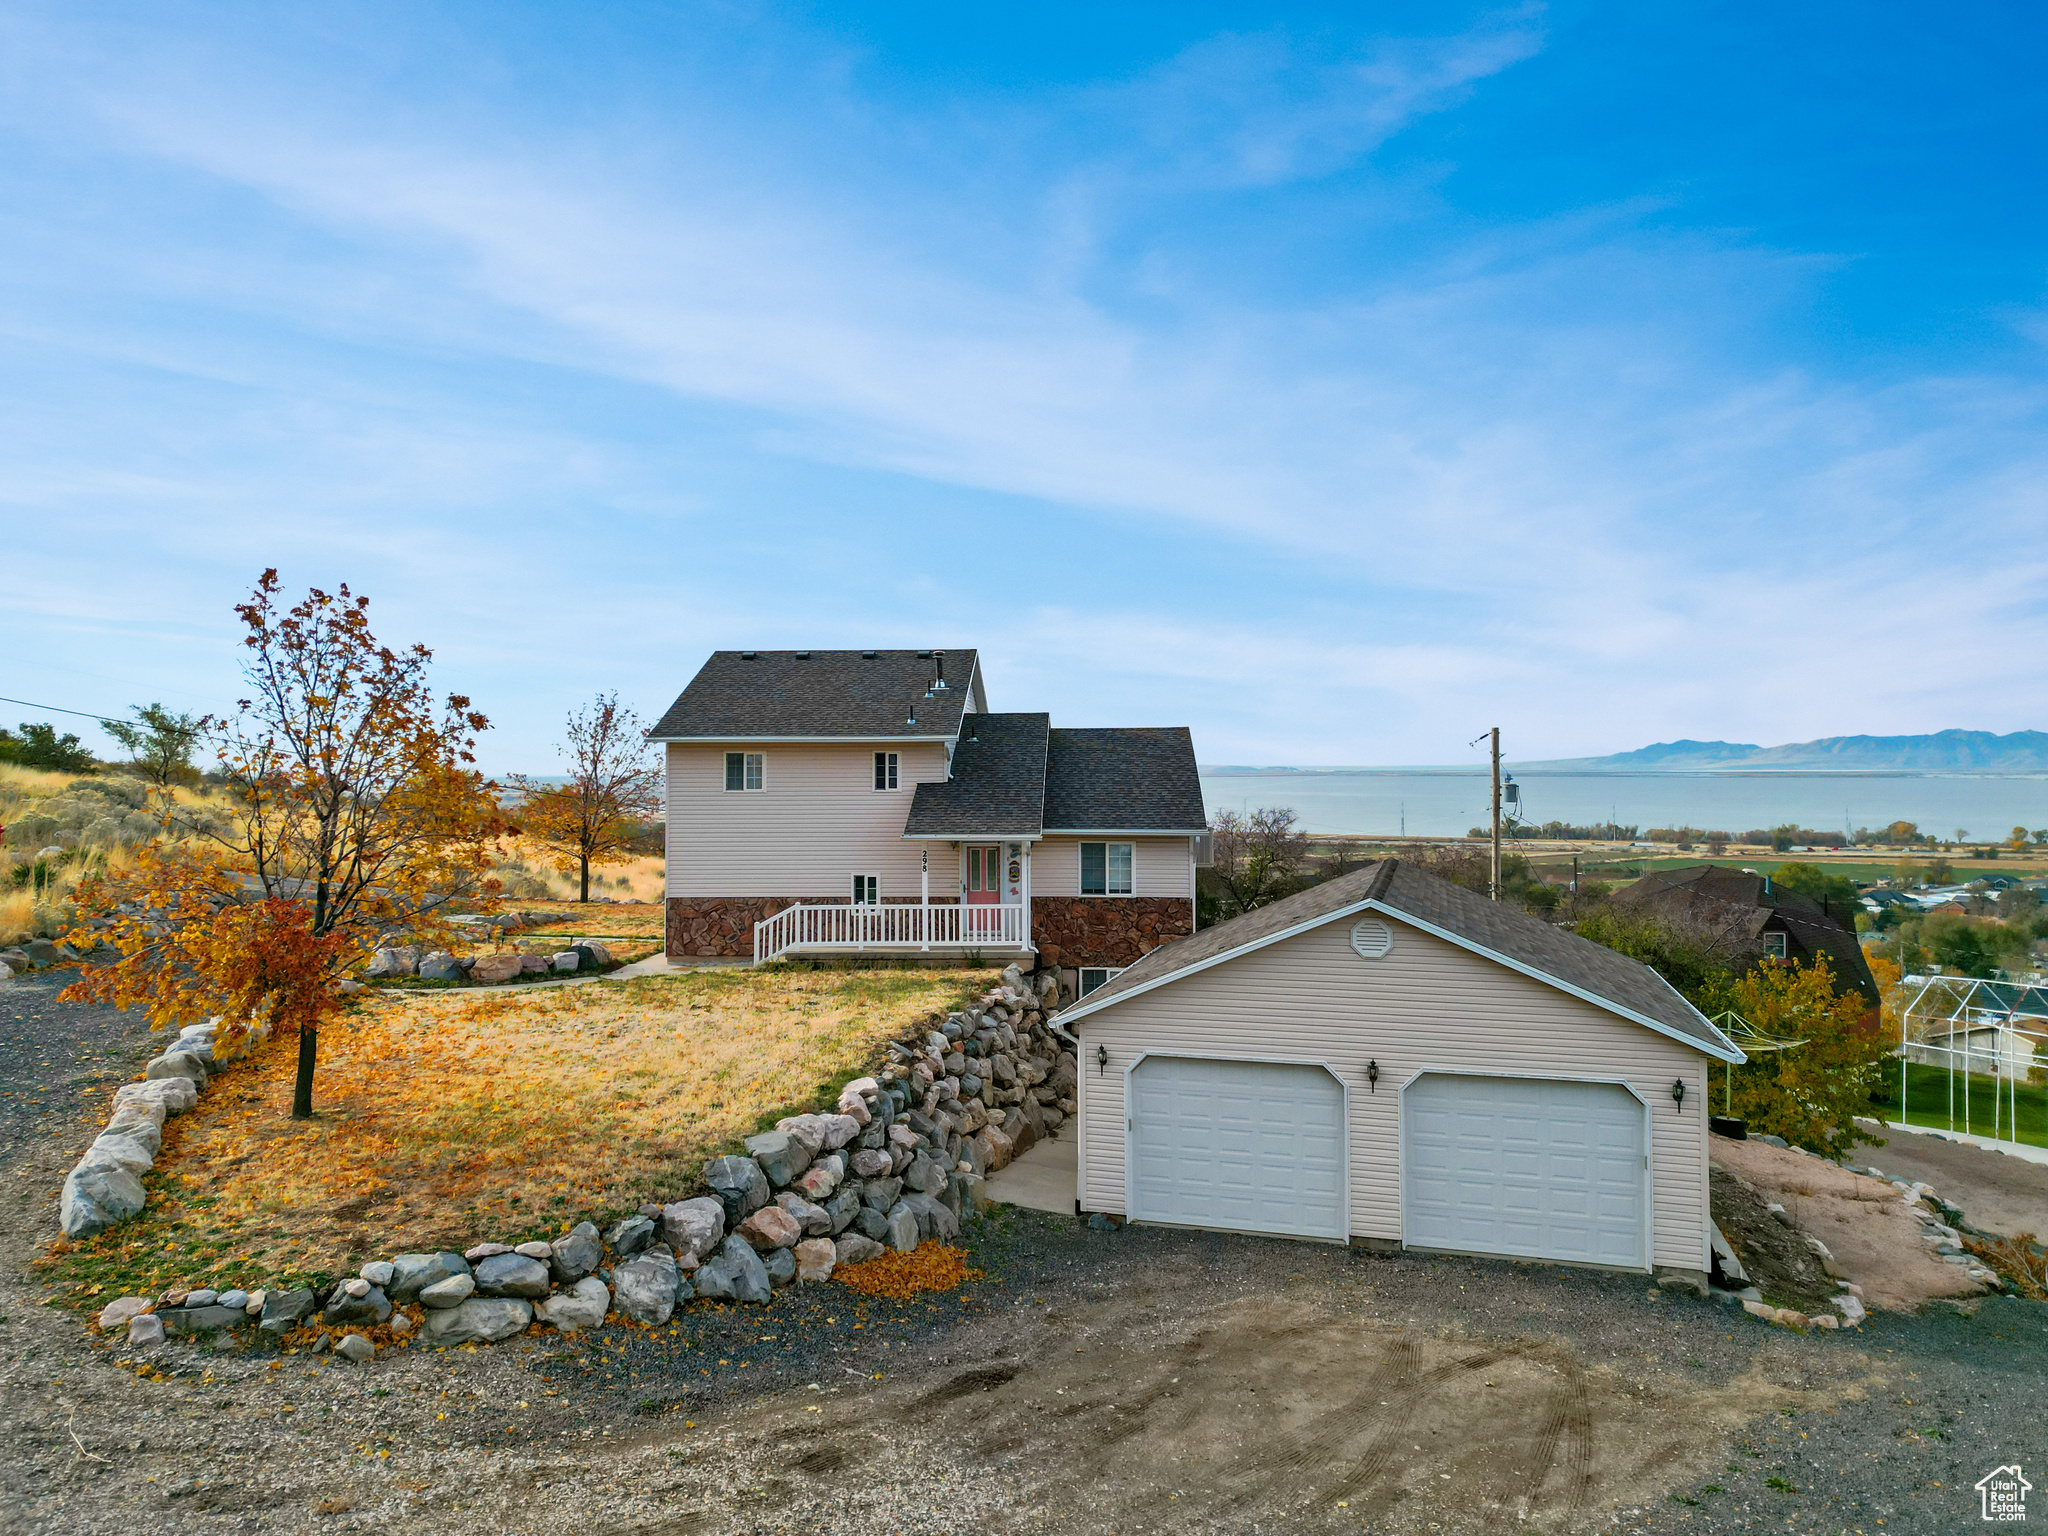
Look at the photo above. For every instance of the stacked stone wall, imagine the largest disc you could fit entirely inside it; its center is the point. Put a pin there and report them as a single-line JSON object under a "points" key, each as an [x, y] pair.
{"points": [[1106, 930]]}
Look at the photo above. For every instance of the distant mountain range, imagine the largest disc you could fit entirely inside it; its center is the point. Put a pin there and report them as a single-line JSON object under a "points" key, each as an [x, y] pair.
{"points": [[1942, 752]]}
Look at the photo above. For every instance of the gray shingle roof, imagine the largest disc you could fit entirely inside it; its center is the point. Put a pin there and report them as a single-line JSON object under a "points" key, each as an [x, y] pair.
{"points": [[998, 782], [1553, 953], [1127, 779], [742, 695]]}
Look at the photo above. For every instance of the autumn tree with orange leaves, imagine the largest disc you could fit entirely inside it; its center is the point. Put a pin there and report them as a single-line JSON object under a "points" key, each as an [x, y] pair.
{"points": [[358, 811], [612, 788]]}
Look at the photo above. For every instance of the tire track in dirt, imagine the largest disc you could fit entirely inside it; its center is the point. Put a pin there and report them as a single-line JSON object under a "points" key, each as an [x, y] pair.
{"points": [[1379, 1455]]}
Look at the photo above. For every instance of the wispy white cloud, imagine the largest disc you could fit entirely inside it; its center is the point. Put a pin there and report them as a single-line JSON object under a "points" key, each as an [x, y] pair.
{"points": [[1547, 485]]}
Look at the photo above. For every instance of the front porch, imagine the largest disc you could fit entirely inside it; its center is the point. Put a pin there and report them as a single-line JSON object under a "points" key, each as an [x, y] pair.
{"points": [[997, 932]]}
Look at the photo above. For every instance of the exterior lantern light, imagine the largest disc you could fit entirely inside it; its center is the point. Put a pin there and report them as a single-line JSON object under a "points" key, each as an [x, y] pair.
{"points": [[1678, 1093], [1101, 1059], [1372, 1076]]}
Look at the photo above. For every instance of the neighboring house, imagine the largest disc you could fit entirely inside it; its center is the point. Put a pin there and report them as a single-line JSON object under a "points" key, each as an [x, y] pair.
{"points": [[1391, 1059], [839, 802], [1880, 899], [1774, 923]]}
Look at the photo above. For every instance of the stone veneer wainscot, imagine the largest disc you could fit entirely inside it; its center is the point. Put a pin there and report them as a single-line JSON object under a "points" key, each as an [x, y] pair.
{"points": [[1106, 930]]}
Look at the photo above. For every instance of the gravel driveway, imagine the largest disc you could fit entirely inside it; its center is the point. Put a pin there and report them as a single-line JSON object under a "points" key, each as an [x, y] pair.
{"points": [[1144, 1380]]}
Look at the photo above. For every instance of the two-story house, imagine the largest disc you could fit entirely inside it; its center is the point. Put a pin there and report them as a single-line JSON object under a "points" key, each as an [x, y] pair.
{"points": [[867, 802]]}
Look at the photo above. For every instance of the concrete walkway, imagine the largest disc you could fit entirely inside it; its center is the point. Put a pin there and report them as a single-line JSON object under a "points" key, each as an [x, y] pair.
{"points": [[662, 965], [1043, 1179]]}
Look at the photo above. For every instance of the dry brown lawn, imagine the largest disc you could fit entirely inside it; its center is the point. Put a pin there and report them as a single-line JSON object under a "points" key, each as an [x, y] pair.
{"points": [[446, 1119]]}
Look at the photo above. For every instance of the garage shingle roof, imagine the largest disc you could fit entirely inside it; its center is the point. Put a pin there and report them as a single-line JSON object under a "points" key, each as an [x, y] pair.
{"points": [[756, 695], [1128, 779], [1553, 954], [998, 783]]}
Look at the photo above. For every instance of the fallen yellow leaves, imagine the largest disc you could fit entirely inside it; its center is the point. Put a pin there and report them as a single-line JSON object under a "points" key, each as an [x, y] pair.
{"points": [[898, 1276]]}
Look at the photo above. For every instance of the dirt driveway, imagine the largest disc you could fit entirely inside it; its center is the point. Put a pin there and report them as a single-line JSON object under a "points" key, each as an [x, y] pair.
{"points": [[1997, 1192], [1136, 1381]]}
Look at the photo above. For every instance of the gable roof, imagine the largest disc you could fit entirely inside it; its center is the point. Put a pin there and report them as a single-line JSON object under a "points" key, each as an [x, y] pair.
{"points": [[998, 783], [1127, 779], [1762, 905], [1494, 930], [800, 695]]}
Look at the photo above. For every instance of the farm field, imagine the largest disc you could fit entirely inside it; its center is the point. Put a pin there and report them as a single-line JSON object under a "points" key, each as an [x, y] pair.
{"points": [[443, 1119]]}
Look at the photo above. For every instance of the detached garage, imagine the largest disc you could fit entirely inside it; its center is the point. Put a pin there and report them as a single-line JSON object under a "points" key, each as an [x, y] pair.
{"points": [[1391, 1058]]}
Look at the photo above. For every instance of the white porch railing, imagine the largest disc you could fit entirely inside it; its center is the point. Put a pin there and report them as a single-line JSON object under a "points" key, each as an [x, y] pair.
{"points": [[843, 927]]}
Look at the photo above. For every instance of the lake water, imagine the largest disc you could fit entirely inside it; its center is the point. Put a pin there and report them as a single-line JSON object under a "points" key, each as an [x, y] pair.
{"points": [[1448, 802]]}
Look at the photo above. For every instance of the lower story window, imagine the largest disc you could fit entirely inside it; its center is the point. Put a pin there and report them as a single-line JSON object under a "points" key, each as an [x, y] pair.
{"points": [[1093, 976], [866, 891]]}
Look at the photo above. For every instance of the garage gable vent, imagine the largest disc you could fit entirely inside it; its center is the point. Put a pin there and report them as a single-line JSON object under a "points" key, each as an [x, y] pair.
{"points": [[1371, 937]]}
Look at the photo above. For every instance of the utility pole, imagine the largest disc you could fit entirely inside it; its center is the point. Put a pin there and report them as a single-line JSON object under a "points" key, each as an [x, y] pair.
{"points": [[1493, 875]]}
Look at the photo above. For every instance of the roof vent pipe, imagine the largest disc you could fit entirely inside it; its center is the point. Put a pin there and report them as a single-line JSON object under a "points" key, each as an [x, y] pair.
{"points": [[938, 671]]}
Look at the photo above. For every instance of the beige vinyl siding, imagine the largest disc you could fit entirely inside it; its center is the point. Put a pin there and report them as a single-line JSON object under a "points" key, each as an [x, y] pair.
{"points": [[1160, 866], [1427, 1004], [816, 821]]}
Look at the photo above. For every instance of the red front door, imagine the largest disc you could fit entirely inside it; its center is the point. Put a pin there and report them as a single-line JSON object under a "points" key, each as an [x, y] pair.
{"points": [[984, 875]]}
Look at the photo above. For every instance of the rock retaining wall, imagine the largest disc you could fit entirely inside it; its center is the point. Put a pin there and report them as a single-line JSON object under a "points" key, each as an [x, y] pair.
{"points": [[900, 1160]]}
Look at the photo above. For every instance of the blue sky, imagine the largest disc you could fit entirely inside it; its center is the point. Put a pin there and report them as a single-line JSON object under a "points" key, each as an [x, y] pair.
{"points": [[1338, 382]]}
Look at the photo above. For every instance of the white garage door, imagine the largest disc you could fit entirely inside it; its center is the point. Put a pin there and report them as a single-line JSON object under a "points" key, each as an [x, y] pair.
{"points": [[1249, 1146], [1523, 1166]]}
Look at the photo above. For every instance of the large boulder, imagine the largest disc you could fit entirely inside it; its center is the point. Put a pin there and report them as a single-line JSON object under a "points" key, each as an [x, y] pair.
{"points": [[815, 1258], [356, 1301], [412, 1273], [635, 1234], [781, 1155], [445, 1294], [512, 1274], [387, 964], [737, 1274], [901, 1228], [111, 1151], [491, 969], [771, 1228], [855, 1248], [646, 1286], [187, 1321], [926, 1175], [871, 1163], [576, 1253], [174, 1095], [695, 1226], [481, 1320], [813, 1219], [184, 1064], [582, 1306], [96, 1197], [285, 1310], [781, 1266], [739, 1184], [441, 966], [934, 1219], [843, 1208]]}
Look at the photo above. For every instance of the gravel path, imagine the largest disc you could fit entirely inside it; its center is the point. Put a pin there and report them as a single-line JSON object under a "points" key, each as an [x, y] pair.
{"points": [[1139, 1381]]}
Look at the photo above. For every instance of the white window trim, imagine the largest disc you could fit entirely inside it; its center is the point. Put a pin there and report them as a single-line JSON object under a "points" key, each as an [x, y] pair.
{"points": [[1108, 973], [874, 882], [1776, 947], [724, 771], [1080, 876], [891, 770]]}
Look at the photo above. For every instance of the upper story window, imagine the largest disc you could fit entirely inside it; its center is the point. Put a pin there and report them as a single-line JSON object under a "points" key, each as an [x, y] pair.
{"points": [[743, 770], [885, 770], [1774, 946], [1105, 869]]}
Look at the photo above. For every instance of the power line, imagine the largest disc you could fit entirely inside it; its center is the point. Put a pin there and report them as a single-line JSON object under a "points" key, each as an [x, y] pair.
{"points": [[59, 709]]}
